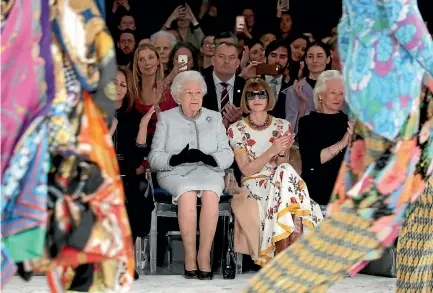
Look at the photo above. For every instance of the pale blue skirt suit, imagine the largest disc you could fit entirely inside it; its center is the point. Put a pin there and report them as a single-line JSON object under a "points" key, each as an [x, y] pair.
{"points": [[205, 132]]}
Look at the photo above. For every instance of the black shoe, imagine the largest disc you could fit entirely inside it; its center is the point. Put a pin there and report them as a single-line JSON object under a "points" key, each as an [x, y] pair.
{"points": [[205, 275], [136, 276], [190, 274]]}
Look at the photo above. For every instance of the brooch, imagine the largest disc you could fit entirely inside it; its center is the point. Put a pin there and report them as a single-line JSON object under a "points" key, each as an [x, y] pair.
{"points": [[208, 119]]}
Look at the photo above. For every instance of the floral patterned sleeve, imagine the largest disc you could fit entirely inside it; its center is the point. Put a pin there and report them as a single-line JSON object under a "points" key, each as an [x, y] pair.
{"points": [[235, 138]]}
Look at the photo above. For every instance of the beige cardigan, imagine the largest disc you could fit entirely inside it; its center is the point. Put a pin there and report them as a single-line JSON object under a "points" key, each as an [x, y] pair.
{"points": [[247, 223]]}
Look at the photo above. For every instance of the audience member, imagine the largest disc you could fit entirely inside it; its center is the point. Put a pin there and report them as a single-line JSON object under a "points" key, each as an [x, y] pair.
{"points": [[298, 46], [126, 46], [184, 18], [267, 38], [323, 137], [277, 53], [224, 37], [209, 19], [299, 97], [207, 50], [224, 87], [285, 24], [163, 42], [191, 166], [250, 23], [260, 143], [127, 21], [129, 133], [148, 87], [174, 67], [256, 51]]}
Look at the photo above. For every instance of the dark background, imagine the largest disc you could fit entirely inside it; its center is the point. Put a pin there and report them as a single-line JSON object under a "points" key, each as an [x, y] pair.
{"points": [[317, 16]]}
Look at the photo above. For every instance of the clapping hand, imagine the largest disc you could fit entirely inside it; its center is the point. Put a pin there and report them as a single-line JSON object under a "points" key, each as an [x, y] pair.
{"points": [[347, 136], [282, 143], [146, 117]]}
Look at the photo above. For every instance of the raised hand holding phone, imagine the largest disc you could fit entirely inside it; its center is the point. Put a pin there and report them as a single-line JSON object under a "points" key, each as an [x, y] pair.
{"points": [[240, 24]]}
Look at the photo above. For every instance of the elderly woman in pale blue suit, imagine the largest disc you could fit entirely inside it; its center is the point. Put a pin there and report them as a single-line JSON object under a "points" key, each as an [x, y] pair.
{"points": [[190, 152]]}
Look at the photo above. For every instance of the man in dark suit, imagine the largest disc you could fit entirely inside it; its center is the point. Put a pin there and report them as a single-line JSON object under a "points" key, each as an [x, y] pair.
{"points": [[277, 52], [224, 88], [224, 37]]}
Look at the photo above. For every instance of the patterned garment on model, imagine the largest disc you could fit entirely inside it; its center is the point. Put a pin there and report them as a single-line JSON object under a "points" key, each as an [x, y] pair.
{"points": [[415, 247]]}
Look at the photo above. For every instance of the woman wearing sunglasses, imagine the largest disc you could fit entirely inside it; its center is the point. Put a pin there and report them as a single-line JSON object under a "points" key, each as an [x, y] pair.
{"points": [[261, 144]]}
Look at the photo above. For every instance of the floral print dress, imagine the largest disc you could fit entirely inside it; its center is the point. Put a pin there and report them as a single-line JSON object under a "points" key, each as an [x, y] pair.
{"points": [[280, 192]]}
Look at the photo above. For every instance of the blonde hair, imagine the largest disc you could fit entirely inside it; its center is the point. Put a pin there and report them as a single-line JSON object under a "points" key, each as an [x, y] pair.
{"points": [[136, 73], [257, 83], [128, 77]]}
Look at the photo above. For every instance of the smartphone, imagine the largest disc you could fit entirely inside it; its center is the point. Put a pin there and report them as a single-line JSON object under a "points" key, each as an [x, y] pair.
{"points": [[286, 2], [240, 23], [182, 59], [268, 69]]}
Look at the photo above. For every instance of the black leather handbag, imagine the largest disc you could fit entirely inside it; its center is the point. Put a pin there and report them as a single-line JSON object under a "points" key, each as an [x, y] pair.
{"points": [[229, 257]]}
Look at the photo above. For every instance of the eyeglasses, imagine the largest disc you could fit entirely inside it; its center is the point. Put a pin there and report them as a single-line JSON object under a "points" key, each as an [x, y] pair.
{"points": [[209, 45], [262, 95]]}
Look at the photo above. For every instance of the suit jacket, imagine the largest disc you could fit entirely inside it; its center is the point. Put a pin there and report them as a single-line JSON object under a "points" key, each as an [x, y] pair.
{"points": [[385, 49], [210, 100], [279, 110], [206, 132]]}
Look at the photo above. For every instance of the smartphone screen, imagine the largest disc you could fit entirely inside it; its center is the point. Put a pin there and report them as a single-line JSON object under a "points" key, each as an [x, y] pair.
{"points": [[182, 59], [240, 23]]}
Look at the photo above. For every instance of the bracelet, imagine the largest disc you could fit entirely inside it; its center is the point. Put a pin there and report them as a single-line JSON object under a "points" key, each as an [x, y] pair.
{"points": [[141, 146]]}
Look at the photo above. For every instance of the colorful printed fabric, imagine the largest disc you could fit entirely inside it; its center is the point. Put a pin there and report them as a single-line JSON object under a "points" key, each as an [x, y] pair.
{"points": [[25, 193], [110, 244], [415, 247], [385, 49], [378, 180], [26, 95], [90, 48], [27, 72]]}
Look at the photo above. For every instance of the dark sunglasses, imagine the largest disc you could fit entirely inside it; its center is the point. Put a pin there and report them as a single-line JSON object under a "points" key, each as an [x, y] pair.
{"points": [[263, 95]]}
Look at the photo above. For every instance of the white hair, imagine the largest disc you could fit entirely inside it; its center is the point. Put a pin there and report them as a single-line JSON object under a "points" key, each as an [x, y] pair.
{"points": [[322, 84], [182, 78], [158, 34]]}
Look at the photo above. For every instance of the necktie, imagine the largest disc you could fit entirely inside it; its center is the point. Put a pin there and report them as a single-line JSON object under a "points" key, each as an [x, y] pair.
{"points": [[274, 84], [224, 98]]}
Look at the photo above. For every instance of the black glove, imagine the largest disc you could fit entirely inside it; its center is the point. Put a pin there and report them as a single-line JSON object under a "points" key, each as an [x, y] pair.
{"points": [[180, 158], [200, 156]]}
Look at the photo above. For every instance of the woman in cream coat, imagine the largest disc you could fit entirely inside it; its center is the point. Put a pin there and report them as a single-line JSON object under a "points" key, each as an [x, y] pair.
{"points": [[190, 152]]}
